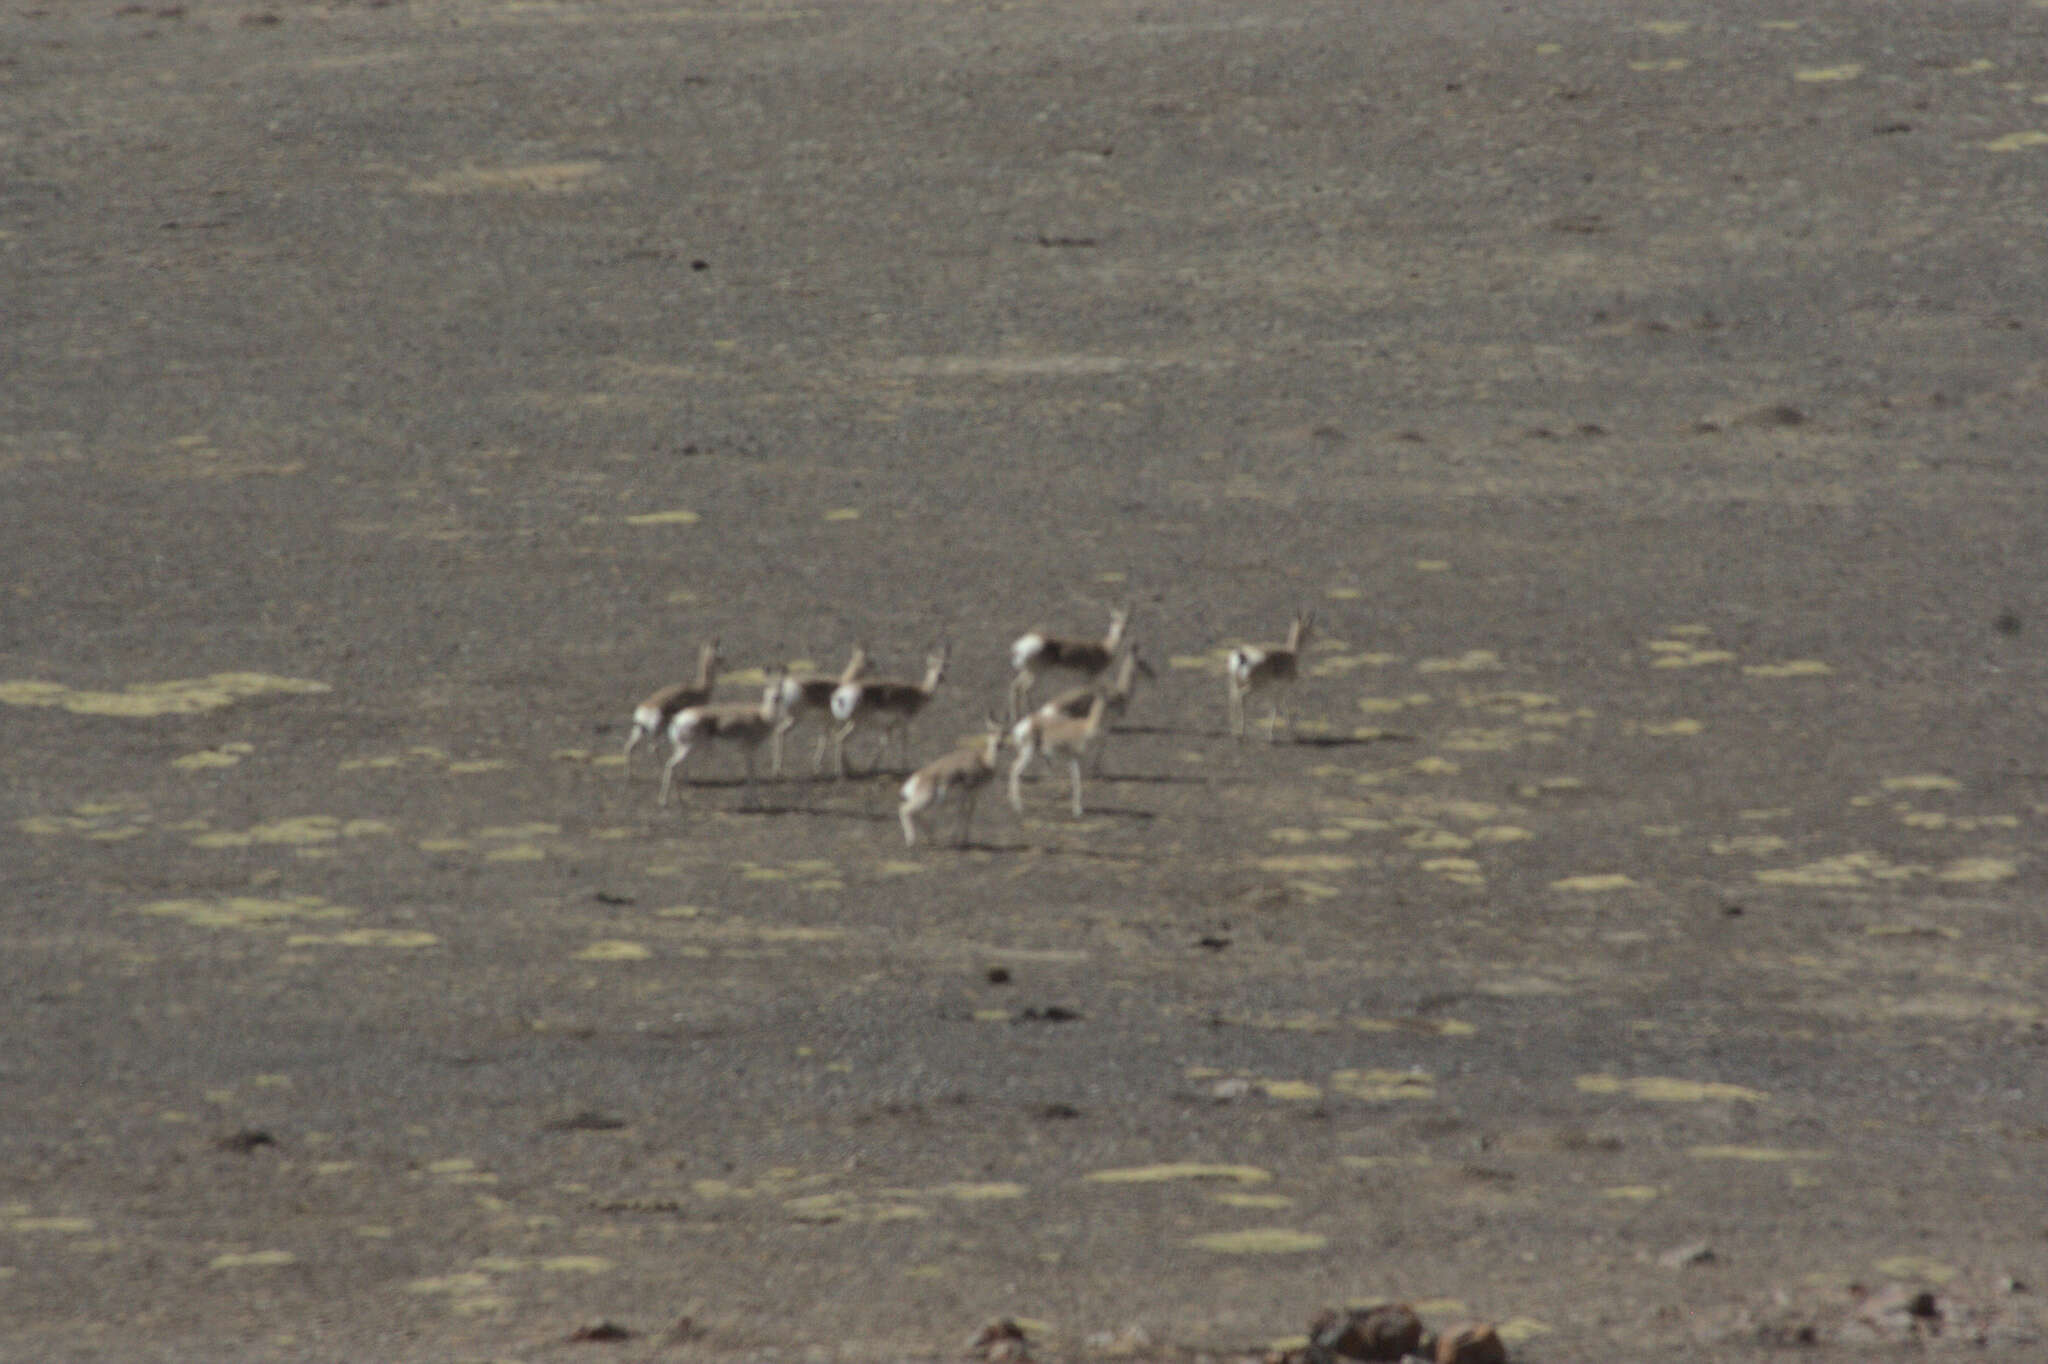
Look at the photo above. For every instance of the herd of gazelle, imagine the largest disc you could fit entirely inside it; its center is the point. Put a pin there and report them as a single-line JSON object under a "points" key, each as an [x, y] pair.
{"points": [[1069, 727]]}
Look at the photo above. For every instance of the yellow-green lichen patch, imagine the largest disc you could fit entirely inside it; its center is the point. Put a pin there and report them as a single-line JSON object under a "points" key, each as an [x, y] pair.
{"points": [[2020, 141], [300, 831], [1159, 1174], [574, 1264], [1821, 75], [1678, 653], [1630, 1193], [1305, 863], [1260, 1241], [246, 912], [1383, 1086], [227, 755], [1336, 665], [1679, 728], [1758, 1154], [1977, 869], [980, 1193], [1844, 869], [1266, 1201], [253, 1259], [1921, 781], [144, 700], [1471, 661], [678, 517], [1666, 1089], [1389, 705], [398, 938], [1594, 883], [1797, 667], [614, 949], [1434, 1027], [63, 1226], [1749, 845]]}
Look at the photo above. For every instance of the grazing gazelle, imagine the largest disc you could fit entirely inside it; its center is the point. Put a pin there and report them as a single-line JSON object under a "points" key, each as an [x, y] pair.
{"points": [[958, 776], [744, 727], [1270, 668], [810, 694], [886, 705], [1057, 736], [652, 716], [1037, 651]]}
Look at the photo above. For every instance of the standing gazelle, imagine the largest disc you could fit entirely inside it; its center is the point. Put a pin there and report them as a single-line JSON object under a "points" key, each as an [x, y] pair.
{"points": [[1270, 668], [1075, 701], [1056, 736], [958, 776], [1037, 651], [887, 705], [744, 727], [810, 694], [652, 716]]}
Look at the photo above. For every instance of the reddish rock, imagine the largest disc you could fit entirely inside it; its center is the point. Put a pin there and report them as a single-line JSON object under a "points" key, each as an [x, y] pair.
{"points": [[1471, 1342]]}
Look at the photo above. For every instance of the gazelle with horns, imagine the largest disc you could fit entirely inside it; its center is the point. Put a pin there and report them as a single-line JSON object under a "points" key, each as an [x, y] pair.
{"points": [[810, 694], [1075, 701], [652, 716], [1040, 651], [887, 705], [742, 726], [1269, 668], [1056, 736]]}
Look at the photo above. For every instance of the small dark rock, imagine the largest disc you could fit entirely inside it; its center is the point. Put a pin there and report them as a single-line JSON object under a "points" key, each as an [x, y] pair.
{"points": [[1691, 1253], [599, 1333], [246, 1140], [1471, 1342], [998, 975]]}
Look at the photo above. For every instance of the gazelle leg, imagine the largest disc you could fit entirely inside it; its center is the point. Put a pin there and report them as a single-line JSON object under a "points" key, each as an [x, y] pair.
{"points": [[1024, 757], [668, 771]]}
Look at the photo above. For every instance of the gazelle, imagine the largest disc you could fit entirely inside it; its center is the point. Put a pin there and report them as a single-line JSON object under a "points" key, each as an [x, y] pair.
{"points": [[1270, 668], [810, 694], [958, 776], [744, 727], [1036, 651], [1075, 701], [652, 716], [1060, 736], [886, 705]]}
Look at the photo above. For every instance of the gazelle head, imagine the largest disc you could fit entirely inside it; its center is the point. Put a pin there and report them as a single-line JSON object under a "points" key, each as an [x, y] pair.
{"points": [[1298, 633]]}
